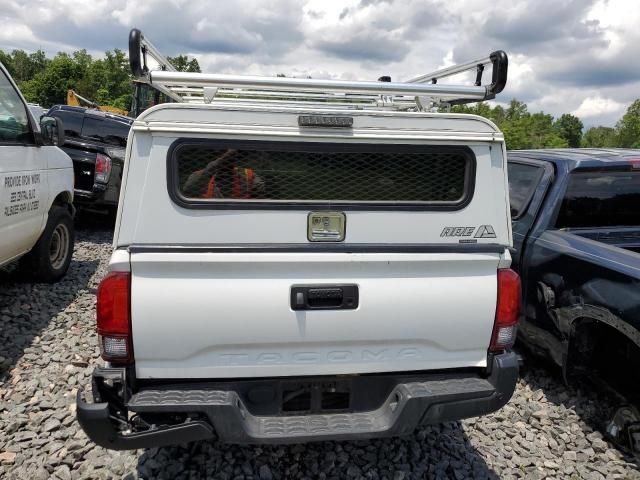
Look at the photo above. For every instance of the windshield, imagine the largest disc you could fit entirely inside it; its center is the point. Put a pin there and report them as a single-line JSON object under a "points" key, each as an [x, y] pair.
{"points": [[14, 122]]}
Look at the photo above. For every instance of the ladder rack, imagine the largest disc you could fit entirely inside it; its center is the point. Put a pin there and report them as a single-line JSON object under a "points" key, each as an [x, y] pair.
{"points": [[417, 94]]}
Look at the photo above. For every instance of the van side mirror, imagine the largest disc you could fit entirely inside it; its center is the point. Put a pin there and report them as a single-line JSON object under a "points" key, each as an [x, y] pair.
{"points": [[52, 131]]}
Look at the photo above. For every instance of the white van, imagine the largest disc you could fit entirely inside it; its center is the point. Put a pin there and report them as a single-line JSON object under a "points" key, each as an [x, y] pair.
{"points": [[36, 189]]}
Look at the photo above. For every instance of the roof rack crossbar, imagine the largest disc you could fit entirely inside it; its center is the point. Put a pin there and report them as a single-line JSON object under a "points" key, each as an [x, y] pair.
{"points": [[498, 60], [449, 71], [187, 79], [417, 93]]}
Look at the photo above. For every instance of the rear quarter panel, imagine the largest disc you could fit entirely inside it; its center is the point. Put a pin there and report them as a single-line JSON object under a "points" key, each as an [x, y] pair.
{"points": [[588, 279]]}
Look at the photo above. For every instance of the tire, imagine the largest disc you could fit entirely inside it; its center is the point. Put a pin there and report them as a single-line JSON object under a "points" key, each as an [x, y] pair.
{"points": [[49, 259]]}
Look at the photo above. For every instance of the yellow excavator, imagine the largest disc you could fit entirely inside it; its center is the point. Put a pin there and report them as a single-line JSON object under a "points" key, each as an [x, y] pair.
{"points": [[76, 100]]}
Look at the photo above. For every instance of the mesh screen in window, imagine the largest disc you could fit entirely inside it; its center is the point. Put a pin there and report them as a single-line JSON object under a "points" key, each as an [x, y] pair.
{"points": [[321, 173]]}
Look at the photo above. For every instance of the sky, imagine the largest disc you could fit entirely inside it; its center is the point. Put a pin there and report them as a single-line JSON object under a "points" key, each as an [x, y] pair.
{"points": [[576, 56]]}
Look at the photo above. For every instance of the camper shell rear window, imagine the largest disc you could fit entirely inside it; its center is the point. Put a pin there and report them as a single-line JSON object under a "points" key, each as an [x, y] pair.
{"points": [[213, 174]]}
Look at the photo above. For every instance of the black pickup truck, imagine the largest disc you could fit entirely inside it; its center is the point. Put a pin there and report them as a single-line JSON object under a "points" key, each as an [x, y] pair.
{"points": [[576, 234], [96, 143]]}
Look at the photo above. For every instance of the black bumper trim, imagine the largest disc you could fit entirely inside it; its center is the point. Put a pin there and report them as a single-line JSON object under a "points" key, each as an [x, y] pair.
{"points": [[95, 420], [322, 248], [408, 406], [503, 378]]}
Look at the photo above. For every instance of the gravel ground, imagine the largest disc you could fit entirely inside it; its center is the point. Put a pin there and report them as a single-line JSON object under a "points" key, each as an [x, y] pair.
{"points": [[48, 349]]}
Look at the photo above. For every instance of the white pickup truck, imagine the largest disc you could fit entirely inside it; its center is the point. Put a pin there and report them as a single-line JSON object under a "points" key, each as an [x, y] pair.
{"points": [[287, 271], [36, 189]]}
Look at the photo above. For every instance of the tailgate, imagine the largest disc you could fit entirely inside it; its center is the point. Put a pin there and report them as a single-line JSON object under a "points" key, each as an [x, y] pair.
{"points": [[207, 314]]}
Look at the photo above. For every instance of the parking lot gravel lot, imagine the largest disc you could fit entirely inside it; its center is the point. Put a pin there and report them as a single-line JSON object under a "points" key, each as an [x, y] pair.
{"points": [[48, 349]]}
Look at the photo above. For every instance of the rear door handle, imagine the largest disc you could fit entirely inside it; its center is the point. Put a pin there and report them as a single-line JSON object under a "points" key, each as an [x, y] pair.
{"points": [[324, 297]]}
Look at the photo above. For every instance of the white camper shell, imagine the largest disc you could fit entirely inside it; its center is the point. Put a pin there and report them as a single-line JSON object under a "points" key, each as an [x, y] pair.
{"points": [[286, 269]]}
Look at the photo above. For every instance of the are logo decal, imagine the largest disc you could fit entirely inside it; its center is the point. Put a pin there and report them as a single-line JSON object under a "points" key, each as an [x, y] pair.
{"points": [[457, 231], [483, 231]]}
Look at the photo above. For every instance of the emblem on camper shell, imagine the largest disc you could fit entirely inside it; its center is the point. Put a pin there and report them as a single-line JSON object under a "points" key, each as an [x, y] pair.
{"points": [[483, 231], [326, 226]]}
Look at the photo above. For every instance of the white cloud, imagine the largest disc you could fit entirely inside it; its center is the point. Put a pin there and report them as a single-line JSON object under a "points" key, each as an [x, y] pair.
{"points": [[598, 106], [16, 33], [569, 56]]}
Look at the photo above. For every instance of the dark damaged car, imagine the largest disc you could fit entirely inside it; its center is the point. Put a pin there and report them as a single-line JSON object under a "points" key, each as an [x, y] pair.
{"points": [[576, 233], [96, 143]]}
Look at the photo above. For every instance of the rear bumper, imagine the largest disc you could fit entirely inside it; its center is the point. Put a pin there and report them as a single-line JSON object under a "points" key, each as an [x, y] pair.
{"points": [[101, 194], [222, 414]]}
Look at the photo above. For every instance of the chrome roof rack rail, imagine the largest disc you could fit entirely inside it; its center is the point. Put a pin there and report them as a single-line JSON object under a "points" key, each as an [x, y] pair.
{"points": [[419, 93]]}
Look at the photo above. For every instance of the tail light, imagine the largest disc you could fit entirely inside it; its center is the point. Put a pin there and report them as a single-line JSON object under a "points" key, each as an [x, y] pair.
{"points": [[113, 318], [103, 168], [507, 311]]}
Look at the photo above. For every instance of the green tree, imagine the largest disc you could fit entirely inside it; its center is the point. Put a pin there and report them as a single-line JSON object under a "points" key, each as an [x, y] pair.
{"points": [[106, 81], [92, 80], [553, 140], [182, 63], [516, 110], [7, 61], [628, 128], [481, 108], [50, 86], [515, 135], [25, 66], [117, 79], [38, 61], [541, 131], [498, 115], [569, 127], [83, 60], [599, 137]]}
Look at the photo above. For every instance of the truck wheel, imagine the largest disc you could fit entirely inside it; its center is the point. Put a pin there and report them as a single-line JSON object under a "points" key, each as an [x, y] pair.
{"points": [[49, 259]]}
